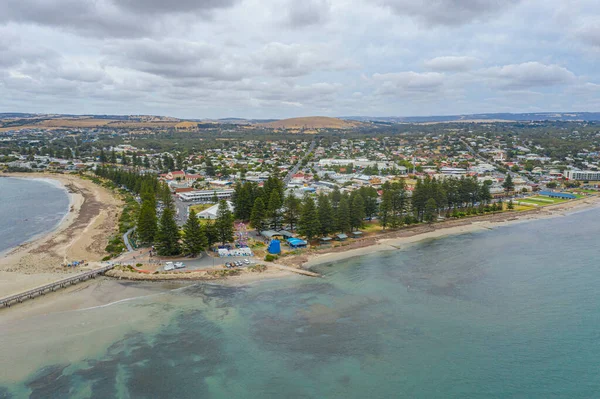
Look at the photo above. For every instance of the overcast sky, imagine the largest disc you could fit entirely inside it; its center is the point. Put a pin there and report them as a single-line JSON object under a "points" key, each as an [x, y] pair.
{"points": [[285, 58]]}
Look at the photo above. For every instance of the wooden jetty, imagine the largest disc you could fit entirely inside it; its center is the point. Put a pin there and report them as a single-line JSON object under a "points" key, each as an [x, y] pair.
{"points": [[32, 293]]}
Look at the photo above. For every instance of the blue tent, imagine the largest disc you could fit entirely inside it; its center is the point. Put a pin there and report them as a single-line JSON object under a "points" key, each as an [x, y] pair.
{"points": [[296, 243], [274, 247]]}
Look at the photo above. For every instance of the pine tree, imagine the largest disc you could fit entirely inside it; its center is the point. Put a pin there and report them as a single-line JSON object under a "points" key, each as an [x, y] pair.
{"points": [[167, 237], [511, 205], [224, 223], [146, 223], [385, 209], [508, 184], [102, 156], [113, 156], [430, 210], [274, 210], [194, 236], [259, 215], [357, 211], [212, 235], [343, 223], [326, 219], [308, 224], [292, 206]]}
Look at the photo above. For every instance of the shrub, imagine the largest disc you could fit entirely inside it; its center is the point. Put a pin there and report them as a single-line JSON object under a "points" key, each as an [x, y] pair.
{"points": [[271, 258], [257, 268]]}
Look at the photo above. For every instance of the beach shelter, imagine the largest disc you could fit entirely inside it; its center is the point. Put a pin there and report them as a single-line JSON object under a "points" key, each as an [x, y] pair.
{"points": [[296, 243], [274, 247]]}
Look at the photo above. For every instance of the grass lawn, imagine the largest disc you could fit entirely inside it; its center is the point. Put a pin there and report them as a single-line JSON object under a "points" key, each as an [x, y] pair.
{"points": [[200, 207], [545, 200], [585, 191], [371, 227]]}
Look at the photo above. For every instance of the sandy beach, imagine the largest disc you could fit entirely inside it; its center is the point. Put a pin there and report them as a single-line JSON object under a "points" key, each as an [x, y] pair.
{"points": [[402, 239], [82, 235]]}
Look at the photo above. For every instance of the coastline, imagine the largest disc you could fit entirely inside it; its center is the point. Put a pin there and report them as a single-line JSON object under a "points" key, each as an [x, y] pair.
{"points": [[25, 278], [59, 224], [404, 238], [81, 234]]}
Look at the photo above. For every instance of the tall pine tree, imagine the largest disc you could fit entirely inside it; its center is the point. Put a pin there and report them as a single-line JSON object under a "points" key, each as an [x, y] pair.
{"points": [[343, 223], [326, 217], [224, 223], [194, 236], [308, 224], [146, 223], [167, 237], [292, 206], [258, 216]]}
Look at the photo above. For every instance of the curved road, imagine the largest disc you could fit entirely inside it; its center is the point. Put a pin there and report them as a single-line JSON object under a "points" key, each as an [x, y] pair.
{"points": [[126, 240]]}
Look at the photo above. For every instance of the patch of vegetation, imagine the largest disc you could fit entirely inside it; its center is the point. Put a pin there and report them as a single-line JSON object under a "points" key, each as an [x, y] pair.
{"points": [[257, 268], [115, 246], [225, 273], [271, 258]]}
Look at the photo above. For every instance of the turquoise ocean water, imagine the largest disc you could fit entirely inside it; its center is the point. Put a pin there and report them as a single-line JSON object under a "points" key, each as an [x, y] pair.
{"points": [[508, 313]]}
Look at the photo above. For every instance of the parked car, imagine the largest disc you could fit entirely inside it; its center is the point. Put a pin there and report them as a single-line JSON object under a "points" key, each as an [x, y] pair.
{"points": [[179, 265], [246, 262], [169, 266]]}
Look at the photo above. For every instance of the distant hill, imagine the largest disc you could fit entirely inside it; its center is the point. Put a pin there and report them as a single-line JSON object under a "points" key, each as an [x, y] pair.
{"points": [[312, 122], [494, 117]]}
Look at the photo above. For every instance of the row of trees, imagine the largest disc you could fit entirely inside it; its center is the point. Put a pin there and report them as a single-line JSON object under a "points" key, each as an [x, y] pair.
{"points": [[329, 214], [343, 212]]}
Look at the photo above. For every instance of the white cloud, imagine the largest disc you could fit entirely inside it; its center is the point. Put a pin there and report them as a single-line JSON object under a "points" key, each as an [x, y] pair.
{"points": [[528, 74], [273, 58], [402, 83], [452, 63]]}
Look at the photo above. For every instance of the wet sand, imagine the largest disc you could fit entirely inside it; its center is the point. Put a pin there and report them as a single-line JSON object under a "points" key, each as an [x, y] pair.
{"points": [[82, 235]]}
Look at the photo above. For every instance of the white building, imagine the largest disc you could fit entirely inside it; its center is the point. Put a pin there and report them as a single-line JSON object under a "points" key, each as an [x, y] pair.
{"points": [[211, 213], [206, 195], [588, 175]]}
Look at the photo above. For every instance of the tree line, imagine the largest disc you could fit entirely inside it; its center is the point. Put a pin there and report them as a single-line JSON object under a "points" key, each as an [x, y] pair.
{"points": [[342, 212]]}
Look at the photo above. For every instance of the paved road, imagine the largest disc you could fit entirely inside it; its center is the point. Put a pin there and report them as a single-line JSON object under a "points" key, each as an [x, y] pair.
{"points": [[126, 240], [182, 210], [295, 169]]}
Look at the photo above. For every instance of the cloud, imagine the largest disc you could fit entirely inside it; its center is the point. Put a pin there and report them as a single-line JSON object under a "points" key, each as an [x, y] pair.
{"points": [[590, 33], [402, 83], [182, 60], [452, 63], [107, 18], [173, 7], [267, 58], [527, 75], [176, 59], [291, 60], [448, 12], [307, 13]]}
